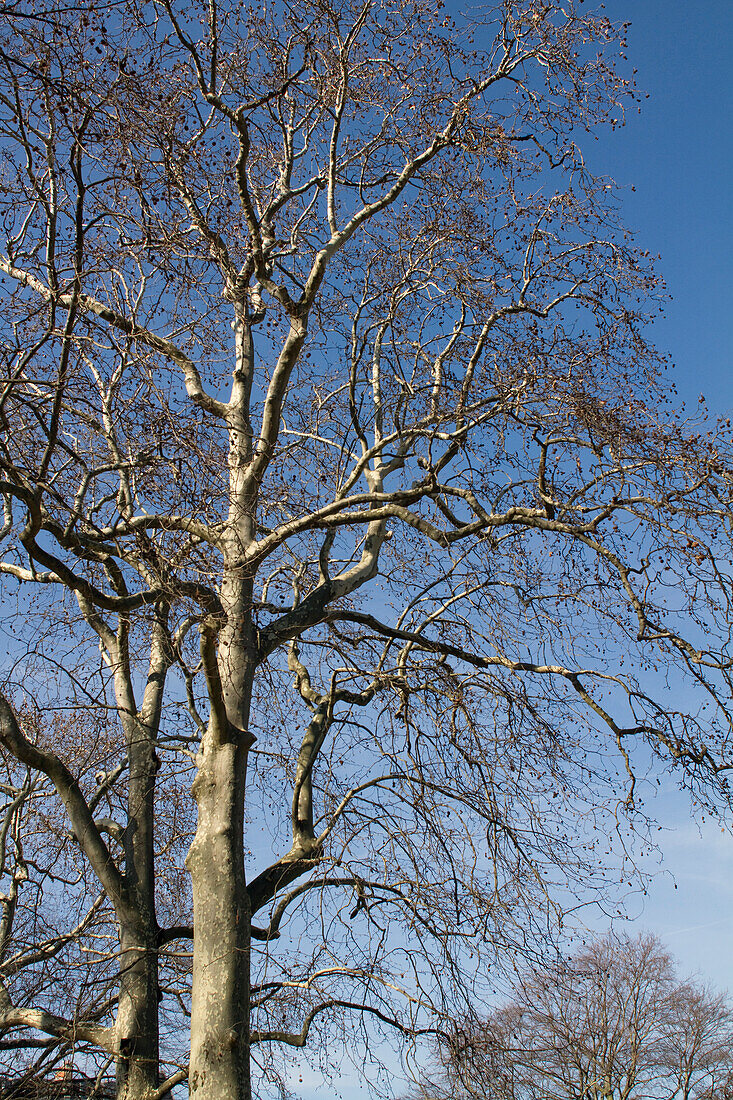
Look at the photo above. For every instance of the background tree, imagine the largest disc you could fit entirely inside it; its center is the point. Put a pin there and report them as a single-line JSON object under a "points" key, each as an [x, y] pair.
{"points": [[614, 1022], [340, 492]]}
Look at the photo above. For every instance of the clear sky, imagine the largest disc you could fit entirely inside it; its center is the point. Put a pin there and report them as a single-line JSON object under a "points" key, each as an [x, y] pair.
{"points": [[677, 155]]}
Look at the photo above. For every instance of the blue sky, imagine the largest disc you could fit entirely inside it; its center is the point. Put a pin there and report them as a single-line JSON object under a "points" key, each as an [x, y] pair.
{"points": [[677, 156]]}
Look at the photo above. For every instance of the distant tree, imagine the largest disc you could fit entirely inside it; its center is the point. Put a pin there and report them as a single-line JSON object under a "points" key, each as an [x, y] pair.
{"points": [[613, 1022], [340, 493]]}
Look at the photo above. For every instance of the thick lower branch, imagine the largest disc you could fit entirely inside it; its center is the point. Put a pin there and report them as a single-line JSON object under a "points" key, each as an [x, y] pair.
{"points": [[279, 875], [40, 1020], [68, 789]]}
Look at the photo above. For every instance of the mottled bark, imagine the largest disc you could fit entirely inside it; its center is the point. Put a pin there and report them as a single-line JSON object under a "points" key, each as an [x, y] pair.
{"points": [[220, 1007]]}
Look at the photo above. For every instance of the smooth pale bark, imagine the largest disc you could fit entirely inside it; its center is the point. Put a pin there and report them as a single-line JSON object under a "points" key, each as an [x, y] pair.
{"points": [[220, 1005], [219, 1065]]}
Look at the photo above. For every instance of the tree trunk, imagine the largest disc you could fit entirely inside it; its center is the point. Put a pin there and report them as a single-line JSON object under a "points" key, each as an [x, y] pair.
{"points": [[219, 1066], [137, 1016]]}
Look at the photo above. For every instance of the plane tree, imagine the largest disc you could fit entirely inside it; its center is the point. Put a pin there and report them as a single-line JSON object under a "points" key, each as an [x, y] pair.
{"points": [[343, 493]]}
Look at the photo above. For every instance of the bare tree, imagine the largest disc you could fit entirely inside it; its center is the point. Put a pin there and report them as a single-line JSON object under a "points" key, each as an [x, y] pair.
{"points": [[340, 491], [613, 1022]]}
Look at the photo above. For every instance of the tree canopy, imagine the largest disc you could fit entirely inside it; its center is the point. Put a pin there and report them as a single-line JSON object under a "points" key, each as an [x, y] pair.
{"points": [[612, 1022], [342, 492]]}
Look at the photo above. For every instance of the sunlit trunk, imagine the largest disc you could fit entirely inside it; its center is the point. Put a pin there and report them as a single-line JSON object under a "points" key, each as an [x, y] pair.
{"points": [[219, 1064]]}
